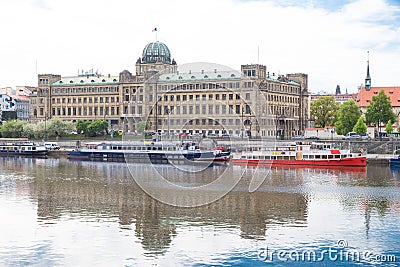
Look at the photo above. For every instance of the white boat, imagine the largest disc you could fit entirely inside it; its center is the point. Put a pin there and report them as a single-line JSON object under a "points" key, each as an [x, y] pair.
{"points": [[21, 147], [314, 154]]}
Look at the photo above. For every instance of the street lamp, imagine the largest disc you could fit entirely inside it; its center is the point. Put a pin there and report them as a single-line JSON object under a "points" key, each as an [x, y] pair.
{"points": [[242, 123], [45, 129], [380, 120], [250, 128], [105, 114]]}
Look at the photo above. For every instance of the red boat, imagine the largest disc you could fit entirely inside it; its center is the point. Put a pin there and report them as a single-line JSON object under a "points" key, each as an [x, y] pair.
{"points": [[315, 154]]}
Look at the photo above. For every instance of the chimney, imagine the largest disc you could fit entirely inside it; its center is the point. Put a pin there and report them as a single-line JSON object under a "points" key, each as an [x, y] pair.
{"points": [[190, 71], [215, 70], [202, 71]]}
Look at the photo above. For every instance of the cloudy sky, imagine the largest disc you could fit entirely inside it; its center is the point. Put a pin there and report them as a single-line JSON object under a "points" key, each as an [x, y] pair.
{"points": [[328, 40]]}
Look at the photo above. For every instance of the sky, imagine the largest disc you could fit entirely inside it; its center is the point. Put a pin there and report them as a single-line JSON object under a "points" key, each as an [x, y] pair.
{"points": [[328, 40]]}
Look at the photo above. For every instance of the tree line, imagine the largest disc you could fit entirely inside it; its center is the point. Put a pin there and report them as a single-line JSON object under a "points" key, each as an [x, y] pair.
{"points": [[347, 117], [51, 128]]}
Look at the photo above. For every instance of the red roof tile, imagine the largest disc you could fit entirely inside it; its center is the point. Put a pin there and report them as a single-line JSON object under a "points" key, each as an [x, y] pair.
{"points": [[364, 97]]}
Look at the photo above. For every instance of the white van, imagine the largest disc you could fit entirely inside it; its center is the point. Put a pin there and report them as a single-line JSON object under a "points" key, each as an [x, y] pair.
{"points": [[51, 146]]}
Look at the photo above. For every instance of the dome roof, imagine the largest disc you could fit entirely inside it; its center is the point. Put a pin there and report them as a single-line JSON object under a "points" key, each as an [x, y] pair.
{"points": [[156, 52]]}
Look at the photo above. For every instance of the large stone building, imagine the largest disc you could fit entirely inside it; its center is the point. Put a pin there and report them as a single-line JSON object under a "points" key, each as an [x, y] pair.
{"points": [[251, 102]]}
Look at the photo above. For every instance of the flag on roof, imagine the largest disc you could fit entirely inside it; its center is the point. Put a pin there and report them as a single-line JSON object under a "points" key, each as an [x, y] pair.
{"points": [[154, 30]]}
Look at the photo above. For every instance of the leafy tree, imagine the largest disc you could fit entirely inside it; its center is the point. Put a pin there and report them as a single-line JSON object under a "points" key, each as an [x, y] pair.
{"points": [[347, 116], [323, 111], [29, 130], [389, 127], [360, 127], [380, 110], [81, 126], [141, 126], [97, 127], [13, 129], [57, 127]]}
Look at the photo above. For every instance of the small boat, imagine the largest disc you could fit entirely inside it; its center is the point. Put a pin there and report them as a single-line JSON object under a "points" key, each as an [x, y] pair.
{"points": [[294, 155], [21, 147], [395, 160], [154, 152]]}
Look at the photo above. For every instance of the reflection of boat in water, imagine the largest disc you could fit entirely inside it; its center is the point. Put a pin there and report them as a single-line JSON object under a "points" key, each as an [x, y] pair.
{"points": [[300, 155], [148, 152], [21, 147]]}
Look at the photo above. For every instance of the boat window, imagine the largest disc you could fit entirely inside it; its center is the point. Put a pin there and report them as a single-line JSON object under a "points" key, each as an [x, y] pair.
{"points": [[305, 156], [330, 156], [317, 156], [337, 156]]}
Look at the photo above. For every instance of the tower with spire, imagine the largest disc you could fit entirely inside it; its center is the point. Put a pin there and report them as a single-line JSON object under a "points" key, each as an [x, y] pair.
{"points": [[368, 78]]}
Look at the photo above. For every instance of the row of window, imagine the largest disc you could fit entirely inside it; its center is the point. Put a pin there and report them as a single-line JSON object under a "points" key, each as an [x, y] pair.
{"points": [[191, 86], [80, 100], [205, 109], [73, 90], [85, 111]]}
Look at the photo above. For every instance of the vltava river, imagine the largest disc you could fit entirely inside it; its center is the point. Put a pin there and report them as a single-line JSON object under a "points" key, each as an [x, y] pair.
{"points": [[56, 212]]}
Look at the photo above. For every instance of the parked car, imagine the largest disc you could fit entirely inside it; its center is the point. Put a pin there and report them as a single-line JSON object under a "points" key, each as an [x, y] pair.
{"points": [[298, 137], [51, 146], [352, 136], [365, 137]]}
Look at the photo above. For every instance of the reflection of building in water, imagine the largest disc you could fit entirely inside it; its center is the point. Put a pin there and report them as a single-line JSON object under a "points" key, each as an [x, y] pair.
{"points": [[100, 190]]}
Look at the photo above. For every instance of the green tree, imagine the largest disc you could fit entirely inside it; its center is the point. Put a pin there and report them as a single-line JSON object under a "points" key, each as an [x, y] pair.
{"points": [[347, 116], [360, 127], [81, 126], [389, 127], [57, 127], [323, 111], [380, 110], [141, 126], [13, 129], [97, 127]]}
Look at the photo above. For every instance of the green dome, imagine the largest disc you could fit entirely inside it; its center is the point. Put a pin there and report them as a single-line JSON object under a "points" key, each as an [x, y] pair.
{"points": [[156, 52]]}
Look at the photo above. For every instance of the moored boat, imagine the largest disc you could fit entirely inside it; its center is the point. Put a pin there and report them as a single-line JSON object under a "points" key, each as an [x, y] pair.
{"points": [[147, 152], [395, 160], [21, 147], [314, 154]]}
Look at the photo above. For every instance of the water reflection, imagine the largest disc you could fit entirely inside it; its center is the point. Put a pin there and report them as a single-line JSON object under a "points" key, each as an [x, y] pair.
{"points": [[105, 193]]}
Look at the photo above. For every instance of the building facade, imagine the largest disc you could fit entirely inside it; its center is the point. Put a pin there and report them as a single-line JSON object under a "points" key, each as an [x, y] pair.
{"points": [[252, 102]]}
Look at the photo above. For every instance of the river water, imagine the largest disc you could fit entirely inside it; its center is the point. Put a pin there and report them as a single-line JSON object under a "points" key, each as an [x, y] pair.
{"points": [[56, 212]]}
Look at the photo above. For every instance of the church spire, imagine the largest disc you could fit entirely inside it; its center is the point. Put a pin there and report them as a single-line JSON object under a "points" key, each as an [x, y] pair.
{"points": [[368, 78]]}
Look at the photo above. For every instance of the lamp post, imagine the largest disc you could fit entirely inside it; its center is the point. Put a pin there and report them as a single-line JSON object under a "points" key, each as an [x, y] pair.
{"points": [[379, 121], [45, 128], [242, 128], [104, 119], [168, 110], [250, 128]]}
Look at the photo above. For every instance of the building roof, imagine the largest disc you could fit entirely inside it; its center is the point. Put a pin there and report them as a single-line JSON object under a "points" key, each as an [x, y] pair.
{"points": [[200, 76], [364, 96], [86, 80], [156, 52], [21, 97]]}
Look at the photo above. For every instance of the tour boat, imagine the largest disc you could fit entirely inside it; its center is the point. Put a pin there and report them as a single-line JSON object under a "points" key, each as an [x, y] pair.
{"points": [[154, 152], [395, 160], [21, 147], [296, 155]]}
